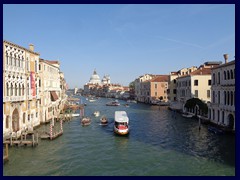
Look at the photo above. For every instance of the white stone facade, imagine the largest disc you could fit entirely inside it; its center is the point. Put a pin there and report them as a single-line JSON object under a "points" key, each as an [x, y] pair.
{"points": [[222, 107]]}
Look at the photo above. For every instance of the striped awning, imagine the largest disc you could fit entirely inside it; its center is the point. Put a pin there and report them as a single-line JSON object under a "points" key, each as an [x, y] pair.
{"points": [[54, 95]]}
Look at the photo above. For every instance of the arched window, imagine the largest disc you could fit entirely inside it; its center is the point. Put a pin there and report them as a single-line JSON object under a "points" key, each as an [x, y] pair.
{"points": [[11, 90], [7, 58], [228, 75], [7, 122], [22, 90], [218, 81], [228, 98], [224, 75], [24, 117], [219, 97], [231, 98], [10, 59], [213, 79], [7, 89], [15, 60], [16, 88], [19, 92], [231, 74], [225, 98]]}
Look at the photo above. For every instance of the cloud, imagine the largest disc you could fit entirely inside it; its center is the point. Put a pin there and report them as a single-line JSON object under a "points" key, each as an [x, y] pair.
{"points": [[180, 42]]}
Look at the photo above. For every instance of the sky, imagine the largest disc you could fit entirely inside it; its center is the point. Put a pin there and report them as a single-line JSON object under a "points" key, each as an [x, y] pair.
{"points": [[125, 40]]}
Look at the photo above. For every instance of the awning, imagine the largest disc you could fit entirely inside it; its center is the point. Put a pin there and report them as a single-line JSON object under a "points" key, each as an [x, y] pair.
{"points": [[54, 95]]}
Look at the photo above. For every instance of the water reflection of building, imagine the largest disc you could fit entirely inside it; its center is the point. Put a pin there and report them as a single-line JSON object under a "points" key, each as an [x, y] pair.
{"points": [[222, 107]]}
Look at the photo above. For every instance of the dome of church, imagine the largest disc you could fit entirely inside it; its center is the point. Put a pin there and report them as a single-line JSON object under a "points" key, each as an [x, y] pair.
{"points": [[95, 79]]}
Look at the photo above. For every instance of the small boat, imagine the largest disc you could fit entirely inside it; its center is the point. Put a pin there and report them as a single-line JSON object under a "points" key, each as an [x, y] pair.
{"points": [[187, 115], [215, 130], [86, 121], [131, 101], [126, 105], [113, 103], [121, 122], [92, 100], [104, 120], [96, 113], [72, 115]]}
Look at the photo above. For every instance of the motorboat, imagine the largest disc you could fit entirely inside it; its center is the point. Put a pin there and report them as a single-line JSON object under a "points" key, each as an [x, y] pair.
{"points": [[113, 103], [104, 120], [215, 130], [187, 115], [96, 113], [92, 100], [86, 121], [72, 115], [121, 123], [131, 101]]}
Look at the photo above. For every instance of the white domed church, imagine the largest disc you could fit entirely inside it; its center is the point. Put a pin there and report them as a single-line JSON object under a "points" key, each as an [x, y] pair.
{"points": [[95, 79]]}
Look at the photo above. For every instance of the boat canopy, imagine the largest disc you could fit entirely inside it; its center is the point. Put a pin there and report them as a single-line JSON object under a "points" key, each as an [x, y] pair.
{"points": [[121, 116]]}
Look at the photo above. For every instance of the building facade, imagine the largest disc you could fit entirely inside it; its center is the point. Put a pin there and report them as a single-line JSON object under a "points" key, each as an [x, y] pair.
{"points": [[196, 84], [222, 107], [21, 98]]}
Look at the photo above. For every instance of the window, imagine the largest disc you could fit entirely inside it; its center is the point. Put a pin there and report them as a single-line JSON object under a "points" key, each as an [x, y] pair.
{"points": [[39, 67], [224, 75], [213, 97], [36, 114], [29, 117], [7, 90], [196, 93], [29, 104], [16, 90], [218, 97], [195, 82], [213, 78], [175, 91], [208, 93], [24, 117], [174, 81], [218, 78], [209, 82], [228, 75], [7, 122], [231, 74], [155, 93], [225, 97], [155, 86]]}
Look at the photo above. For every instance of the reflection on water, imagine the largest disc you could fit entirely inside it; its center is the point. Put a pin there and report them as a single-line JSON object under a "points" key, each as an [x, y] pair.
{"points": [[158, 144]]}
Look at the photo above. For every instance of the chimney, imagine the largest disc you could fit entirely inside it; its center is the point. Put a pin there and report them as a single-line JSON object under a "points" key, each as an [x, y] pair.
{"points": [[226, 58], [31, 47]]}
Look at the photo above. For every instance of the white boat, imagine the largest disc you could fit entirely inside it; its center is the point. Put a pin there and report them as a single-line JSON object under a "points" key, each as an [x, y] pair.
{"points": [[187, 115], [131, 101], [113, 103], [121, 123], [96, 113], [72, 115], [92, 100]]}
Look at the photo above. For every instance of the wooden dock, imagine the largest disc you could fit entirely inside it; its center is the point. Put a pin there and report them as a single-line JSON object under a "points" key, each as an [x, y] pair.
{"points": [[5, 153], [23, 141]]}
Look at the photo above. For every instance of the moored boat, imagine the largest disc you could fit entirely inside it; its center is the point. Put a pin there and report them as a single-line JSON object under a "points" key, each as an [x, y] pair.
{"points": [[86, 121], [187, 115], [121, 123], [104, 120]]}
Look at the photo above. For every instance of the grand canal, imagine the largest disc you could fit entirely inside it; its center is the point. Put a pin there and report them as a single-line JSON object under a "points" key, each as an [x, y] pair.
{"points": [[159, 143]]}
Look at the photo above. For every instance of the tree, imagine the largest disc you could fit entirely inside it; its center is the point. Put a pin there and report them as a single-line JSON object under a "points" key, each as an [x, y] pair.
{"points": [[192, 103]]}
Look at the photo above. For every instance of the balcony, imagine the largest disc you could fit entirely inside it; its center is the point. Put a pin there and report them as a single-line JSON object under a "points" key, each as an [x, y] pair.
{"points": [[13, 98], [227, 107]]}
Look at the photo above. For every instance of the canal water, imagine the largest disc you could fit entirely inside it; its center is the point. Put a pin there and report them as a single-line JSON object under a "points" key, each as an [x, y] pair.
{"points": [[160, 143]]}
